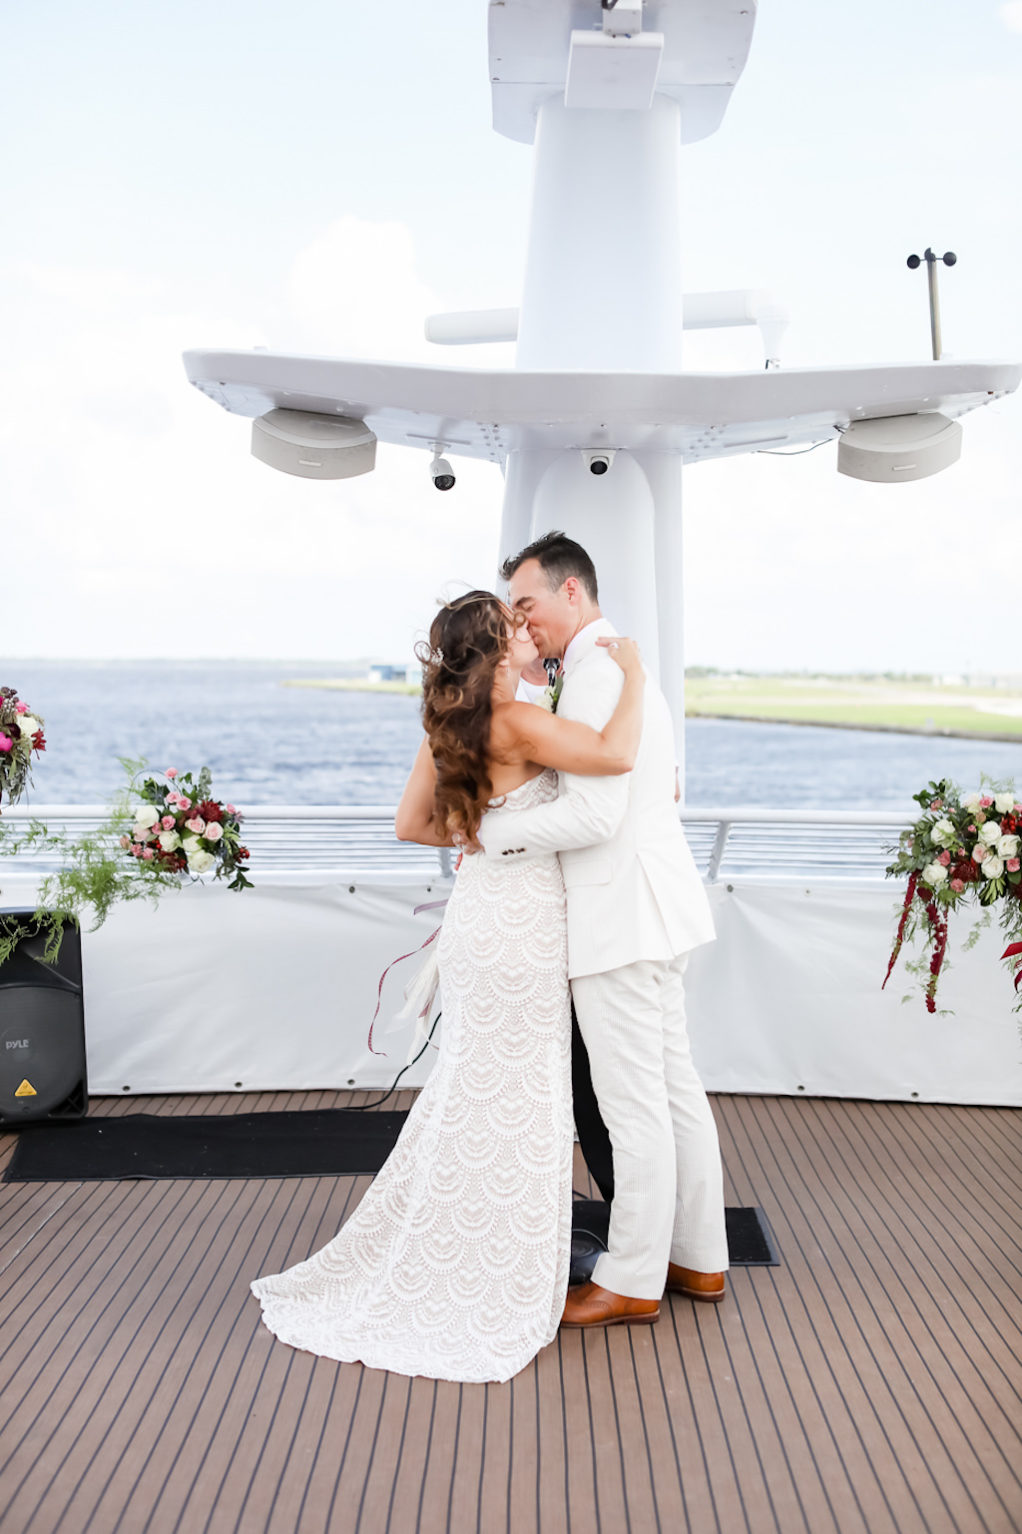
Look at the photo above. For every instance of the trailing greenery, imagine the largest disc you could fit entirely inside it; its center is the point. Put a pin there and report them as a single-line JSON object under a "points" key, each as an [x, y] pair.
{"points": [[97, 870], [962, 850]]}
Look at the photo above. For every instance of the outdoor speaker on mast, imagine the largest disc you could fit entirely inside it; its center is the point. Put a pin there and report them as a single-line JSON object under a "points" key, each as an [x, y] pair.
{"points": [[314, 446], [899, 447]]}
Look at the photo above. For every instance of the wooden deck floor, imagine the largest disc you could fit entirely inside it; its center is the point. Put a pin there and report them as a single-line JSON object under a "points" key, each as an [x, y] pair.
{"points": [[872, 1383]]}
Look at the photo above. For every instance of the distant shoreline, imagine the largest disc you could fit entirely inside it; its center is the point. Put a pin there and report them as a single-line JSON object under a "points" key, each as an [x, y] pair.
{"points": [[355, 684], [939, 731]]}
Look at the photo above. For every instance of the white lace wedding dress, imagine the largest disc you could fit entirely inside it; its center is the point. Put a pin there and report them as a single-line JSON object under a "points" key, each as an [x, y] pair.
{"points": [[455, 1264]]}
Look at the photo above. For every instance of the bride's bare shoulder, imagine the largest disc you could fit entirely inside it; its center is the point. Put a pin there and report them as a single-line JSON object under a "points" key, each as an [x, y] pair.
{"points": [[509, 724]]}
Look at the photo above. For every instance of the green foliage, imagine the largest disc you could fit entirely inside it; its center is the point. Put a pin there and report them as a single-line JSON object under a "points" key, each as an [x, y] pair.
{"points": [[97, 871], [950, 863]]}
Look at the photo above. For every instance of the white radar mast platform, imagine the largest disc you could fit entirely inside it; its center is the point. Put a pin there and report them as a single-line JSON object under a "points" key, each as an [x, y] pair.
{"points": [[607, 95]]}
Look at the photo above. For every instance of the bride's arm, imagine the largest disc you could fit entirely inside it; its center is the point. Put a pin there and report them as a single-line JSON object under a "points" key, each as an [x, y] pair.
{"points": [[414, 820], [573, 747]]}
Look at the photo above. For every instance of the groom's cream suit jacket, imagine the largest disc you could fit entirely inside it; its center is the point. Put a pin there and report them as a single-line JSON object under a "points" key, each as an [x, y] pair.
{"points": [[634, 891]]}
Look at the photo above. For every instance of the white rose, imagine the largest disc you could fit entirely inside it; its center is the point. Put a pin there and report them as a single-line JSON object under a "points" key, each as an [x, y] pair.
{"points": [[934, 874], [990, 832], [191, 844], [993, 868], [214, 831], [28, 724], [1003, 803], [1007, 847], [943, 833], [169, 841], [546, 699], [971, 801], [199, 861], [146, 816]]}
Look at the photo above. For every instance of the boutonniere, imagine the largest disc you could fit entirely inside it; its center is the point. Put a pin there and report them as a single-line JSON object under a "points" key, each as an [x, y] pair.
{"points": [[552, 692]]}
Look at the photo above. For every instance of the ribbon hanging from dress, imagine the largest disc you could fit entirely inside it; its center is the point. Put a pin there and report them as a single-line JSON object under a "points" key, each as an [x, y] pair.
{"points": [[424, 984]]}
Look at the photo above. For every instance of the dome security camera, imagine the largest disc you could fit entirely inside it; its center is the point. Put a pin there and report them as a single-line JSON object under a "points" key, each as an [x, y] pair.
{"points": [[599, 463], [441, 473]]}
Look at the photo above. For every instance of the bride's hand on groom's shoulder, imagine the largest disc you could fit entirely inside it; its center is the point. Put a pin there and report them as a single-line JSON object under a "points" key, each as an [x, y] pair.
{"points": [[622, 650]]}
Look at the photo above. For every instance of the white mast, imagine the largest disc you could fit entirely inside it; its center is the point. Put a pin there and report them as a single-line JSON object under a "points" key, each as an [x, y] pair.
{"points": [[607, 97]]}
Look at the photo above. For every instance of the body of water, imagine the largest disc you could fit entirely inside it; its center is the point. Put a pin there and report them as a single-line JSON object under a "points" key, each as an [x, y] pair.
{"points": [[267, 743]]}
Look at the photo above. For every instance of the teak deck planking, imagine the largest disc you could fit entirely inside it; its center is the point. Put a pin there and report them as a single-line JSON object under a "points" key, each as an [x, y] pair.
{"points": [[871, 1384]]}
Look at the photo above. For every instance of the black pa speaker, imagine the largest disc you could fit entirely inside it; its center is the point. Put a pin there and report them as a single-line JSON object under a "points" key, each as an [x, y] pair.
{"points": [[42, 1030]]}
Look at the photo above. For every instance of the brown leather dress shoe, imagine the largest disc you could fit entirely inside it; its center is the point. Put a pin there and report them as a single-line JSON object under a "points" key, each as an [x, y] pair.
{"points": [[589, 1305], [697, 1286]]}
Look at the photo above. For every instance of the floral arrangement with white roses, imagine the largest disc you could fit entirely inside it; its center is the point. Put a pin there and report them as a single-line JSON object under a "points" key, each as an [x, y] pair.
{"points": [[961, 849], [21, 733], [181, 829], [177, 828]]}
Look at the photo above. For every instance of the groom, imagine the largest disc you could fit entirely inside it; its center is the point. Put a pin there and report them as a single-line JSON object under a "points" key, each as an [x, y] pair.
{"points": [[636, 906]]}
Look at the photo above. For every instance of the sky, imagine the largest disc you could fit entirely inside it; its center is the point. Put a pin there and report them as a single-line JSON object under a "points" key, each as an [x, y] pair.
{"points": [[322, 176]]}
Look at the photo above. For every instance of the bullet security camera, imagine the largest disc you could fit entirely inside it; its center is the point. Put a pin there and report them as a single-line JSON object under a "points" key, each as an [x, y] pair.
{"points": [[441, 473], [598, 463]]}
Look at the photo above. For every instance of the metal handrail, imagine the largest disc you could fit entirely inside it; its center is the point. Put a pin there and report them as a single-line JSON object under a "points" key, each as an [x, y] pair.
{"points": [[323, 837]]}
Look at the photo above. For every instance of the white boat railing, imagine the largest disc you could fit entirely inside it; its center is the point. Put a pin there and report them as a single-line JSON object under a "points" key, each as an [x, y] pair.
{"points": [[725, 841]]}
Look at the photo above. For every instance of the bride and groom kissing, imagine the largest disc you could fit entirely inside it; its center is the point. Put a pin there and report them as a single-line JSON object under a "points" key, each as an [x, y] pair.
{"points": [[575, 869]]}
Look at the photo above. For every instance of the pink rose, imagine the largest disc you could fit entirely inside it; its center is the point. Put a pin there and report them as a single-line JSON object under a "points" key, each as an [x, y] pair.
{"points": [[21, 708], [136, 849], [167, 822], [985, 802], [196, 824], [944, 857], [183, 803], [935, 804], [147, 854], [171, 772], [5, 742], [971, 830], [957, 885], [214, 831], [1012, 865], [231, 810]]}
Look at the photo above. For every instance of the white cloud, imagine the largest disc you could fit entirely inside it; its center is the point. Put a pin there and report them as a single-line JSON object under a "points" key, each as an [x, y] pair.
{"points": [[355, 291], [1011, 14], [135, 515]]}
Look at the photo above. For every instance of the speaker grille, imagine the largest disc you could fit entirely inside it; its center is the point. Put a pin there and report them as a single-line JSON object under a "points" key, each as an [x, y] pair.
{"points": [[42, 1032]]}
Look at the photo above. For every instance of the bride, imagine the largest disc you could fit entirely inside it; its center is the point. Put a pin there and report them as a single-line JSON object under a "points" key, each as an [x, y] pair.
{"points": [[455, 1263]]}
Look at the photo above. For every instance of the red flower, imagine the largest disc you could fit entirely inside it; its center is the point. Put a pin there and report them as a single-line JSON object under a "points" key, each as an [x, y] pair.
{"points": [[967, 870], [209, 809]]}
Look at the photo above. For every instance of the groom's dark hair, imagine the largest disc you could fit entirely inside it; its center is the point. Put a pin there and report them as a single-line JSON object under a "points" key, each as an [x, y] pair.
{"points": [[559, 556]]}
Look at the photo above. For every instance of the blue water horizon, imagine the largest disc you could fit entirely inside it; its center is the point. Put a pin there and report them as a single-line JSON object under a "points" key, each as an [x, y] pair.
{"points": [[268, 743]]}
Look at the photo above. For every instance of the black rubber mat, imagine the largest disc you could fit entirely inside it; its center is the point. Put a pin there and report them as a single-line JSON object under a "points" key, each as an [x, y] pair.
{"points": [[749, 1238], [316, 1143]]}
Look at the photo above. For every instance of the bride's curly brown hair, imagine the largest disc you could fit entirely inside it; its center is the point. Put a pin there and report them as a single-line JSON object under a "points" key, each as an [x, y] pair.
{"points": [[468, 639]]}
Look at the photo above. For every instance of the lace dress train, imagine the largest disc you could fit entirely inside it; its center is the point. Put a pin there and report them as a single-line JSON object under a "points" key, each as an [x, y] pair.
{"points": [[455, 1263]]}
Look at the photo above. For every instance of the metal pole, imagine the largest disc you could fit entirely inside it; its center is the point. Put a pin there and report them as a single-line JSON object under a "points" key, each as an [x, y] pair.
{"points": [[931, 258], [931, 279]]}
